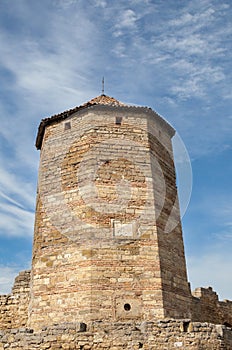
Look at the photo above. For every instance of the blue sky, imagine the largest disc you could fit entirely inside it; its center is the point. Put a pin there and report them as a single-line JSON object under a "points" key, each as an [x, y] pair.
{"points": [[173, 56]]}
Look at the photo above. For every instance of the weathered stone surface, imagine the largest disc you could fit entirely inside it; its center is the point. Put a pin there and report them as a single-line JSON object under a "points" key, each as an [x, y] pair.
{"points": [[206, 307], [108, 269], [106, 195], [14, 306], [165, 335]]}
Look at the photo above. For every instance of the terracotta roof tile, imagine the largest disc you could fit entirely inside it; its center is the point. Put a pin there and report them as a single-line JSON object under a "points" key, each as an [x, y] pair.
{"points": [[103, 100], [99, 100]]}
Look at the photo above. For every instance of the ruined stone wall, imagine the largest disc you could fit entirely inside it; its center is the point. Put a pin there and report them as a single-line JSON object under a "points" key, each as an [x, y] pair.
{"points": [[207, 308], [14, 306], [160, 335]]}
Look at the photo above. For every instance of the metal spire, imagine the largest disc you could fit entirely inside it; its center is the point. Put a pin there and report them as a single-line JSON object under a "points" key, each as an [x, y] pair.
{"points": [[103, 86]]}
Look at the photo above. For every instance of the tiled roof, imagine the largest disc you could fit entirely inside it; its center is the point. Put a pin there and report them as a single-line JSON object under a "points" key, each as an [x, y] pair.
{"points": [[103, 100], [99, 100]]}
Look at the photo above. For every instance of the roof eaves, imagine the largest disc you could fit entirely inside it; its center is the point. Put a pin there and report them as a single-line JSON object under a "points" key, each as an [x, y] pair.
{"points": [[56, 118], [61, 116]]}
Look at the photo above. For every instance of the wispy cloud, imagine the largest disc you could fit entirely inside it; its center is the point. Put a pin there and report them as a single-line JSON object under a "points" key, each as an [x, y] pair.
{"points": [[126, 21], [181, 45], [197, 20], [222, 213], [101, 3], [10, 185], [44, 79], [7, 276], [11, 200], [225, 233], [17, 202], [172, 56], [15, 221], [212, 269]]}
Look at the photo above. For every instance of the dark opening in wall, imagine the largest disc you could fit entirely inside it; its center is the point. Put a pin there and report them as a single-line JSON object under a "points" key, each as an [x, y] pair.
{"points": [[127, 307], [118, 120], [140, 345], [186, 326], [67, 126], [83, 327]]}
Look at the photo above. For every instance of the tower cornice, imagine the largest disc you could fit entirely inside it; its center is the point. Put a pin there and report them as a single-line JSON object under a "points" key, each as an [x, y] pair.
{"points": [[103, 101]]}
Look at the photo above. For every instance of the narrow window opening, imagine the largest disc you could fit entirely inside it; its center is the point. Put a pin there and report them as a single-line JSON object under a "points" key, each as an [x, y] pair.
{"points": [[118, 120], [83, 327], [186, 326], [67, 126], [127, 307]]}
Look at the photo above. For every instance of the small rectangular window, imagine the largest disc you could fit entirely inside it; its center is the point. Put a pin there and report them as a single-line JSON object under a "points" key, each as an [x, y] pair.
{"points": [[67, 126], [118, 120]]}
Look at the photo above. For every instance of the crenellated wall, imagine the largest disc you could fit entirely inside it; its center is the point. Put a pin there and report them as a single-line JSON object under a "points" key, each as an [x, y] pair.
{"points": [[206, 307], [14, 306]]}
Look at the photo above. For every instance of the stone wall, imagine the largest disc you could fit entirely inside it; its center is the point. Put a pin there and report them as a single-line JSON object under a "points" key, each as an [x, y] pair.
{"points": [[14, 306], [108, 255], [207, 308], [160, 335]]}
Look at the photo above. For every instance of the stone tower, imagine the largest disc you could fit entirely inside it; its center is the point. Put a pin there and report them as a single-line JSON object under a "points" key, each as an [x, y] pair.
{"points": [[108, 240]]}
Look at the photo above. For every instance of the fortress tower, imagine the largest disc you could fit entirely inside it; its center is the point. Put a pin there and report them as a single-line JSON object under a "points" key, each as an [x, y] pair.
{"points": [[108, 240]]}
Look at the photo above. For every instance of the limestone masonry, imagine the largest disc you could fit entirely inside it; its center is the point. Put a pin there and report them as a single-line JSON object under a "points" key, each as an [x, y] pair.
{"points": [[108, 268]]}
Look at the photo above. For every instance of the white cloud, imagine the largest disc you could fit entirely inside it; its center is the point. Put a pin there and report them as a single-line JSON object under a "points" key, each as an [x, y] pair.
{"points": [[120, 50], [188, 89], [65, 4], [209, 264], [169, 56], [11, 184], [100, 3], [11, 200], [222, 213], [45, 68], [191, 44], [182, 47], [212, 269], [196, 20], [15, 221], [17, 202], [7, 276], [127, 19], [225, 234], [45, 73]]}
